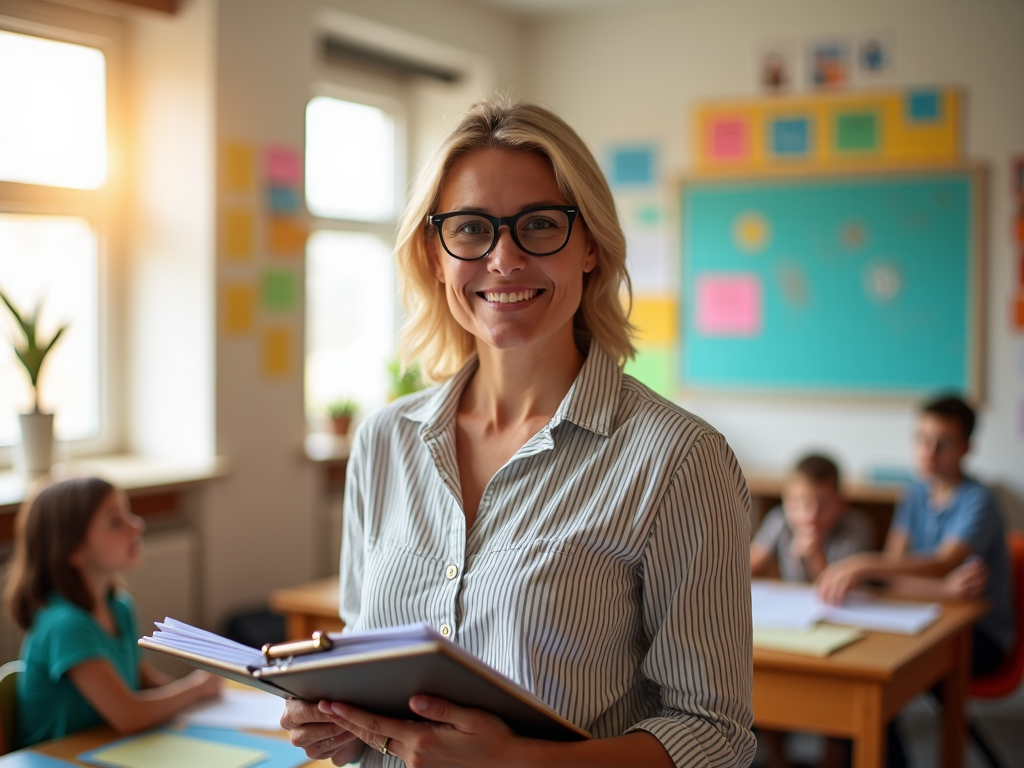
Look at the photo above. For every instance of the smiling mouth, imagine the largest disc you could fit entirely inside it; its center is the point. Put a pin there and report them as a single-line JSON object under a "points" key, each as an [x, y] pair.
{"points": [[505, 297]]}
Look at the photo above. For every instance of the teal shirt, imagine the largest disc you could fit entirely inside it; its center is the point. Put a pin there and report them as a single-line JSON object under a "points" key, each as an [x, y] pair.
{"points": [[63, 636]]}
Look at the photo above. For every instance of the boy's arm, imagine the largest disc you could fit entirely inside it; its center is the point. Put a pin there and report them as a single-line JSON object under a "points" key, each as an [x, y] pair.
{"points": [[838, 579]]}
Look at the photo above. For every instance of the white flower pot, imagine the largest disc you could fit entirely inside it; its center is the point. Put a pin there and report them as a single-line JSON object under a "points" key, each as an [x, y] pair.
{"points": [[35, 454]]}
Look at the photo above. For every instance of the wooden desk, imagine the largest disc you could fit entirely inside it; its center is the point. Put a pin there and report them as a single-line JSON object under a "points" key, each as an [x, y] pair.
{"points": [[857, 690], [308, 608]]}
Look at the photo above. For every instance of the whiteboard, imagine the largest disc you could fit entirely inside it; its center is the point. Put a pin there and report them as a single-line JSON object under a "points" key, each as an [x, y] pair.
{"points": [[866, 283]]}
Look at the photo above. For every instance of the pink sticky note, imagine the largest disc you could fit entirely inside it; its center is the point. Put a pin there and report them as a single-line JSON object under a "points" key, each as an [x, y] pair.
{"points": [[729, 138], [283, 166], [729, 305]]}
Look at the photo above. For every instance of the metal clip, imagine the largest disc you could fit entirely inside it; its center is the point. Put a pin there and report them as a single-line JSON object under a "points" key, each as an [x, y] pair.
{"points": [[276, 651]]}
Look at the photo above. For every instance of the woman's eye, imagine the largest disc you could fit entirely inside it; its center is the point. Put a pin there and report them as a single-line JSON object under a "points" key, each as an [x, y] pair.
{"points": [[535, 224], [472, 228]]}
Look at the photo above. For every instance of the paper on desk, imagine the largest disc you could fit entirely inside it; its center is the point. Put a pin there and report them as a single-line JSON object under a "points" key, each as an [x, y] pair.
{"points": [[170, 750], [251, 709], [784, 605], [819, 641], [26, 758], [788, 605]]}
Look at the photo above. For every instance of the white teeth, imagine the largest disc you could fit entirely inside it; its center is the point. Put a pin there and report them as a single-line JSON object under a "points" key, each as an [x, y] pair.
{"points": [[509, 298]]}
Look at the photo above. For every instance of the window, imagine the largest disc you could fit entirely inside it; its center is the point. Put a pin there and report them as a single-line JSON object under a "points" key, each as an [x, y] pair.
{"points": [[354, 164], [55, 230]]}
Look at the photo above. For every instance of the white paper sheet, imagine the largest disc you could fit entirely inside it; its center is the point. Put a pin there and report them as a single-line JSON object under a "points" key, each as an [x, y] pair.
{"points": [[255, 710], [787, 605]]}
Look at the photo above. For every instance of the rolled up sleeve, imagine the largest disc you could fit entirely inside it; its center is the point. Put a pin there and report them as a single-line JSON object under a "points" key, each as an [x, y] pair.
{"points": [[696, 604]]}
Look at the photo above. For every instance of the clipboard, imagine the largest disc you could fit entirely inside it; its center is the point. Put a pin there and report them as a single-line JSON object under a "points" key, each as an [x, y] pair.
{"points": [[382, 676]]}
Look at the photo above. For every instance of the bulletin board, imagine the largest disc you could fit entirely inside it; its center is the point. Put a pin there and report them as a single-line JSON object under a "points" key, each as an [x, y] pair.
{"points": [[837, 284]]}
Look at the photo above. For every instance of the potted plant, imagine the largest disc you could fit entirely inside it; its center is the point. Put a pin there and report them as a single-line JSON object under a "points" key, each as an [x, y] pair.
{"points": [[36, 426], [341, 413], [404, 382]]}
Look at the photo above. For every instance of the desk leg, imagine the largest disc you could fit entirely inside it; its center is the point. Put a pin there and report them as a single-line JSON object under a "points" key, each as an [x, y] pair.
{"points": [[954, 700], [870, 740]]}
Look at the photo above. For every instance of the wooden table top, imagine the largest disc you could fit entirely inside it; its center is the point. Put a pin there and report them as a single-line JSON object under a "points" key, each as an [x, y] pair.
{"points": [[317, 598], [878, 655]]}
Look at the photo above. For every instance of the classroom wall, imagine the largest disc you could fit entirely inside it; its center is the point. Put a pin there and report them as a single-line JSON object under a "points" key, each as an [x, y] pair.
{"points": [[262, 528], [635, 74]]}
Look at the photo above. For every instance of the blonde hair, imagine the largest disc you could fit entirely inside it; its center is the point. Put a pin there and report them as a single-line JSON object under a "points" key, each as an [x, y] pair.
{"points": [[430, 334]]}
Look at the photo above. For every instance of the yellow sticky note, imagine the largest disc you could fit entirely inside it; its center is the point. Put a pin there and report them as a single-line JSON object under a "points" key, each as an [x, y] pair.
{"points": [[277, 352], [238, 167], [239, 303], [287, 236], [237, 234], [656, 317], [170, 750]]}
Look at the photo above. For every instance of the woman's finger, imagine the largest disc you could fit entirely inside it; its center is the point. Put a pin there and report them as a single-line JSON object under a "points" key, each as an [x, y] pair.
{"points": [[443, 711]]}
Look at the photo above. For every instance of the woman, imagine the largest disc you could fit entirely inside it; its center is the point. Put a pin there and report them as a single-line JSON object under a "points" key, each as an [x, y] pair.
{"points": [[554, 517]]}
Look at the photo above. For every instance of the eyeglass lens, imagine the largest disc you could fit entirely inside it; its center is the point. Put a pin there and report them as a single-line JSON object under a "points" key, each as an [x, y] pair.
{"points": [[539, 233]]}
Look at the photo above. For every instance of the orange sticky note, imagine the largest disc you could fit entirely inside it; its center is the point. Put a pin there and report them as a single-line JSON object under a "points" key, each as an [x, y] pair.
{"points": [[277, 352], [238, 167], [237, 234], [1018, 313], [239, 302], [656, 318], [287, 236]]}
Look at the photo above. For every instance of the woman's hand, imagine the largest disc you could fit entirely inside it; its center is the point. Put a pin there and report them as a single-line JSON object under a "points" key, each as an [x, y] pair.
{"points": [[318, 733], [452, 736]]}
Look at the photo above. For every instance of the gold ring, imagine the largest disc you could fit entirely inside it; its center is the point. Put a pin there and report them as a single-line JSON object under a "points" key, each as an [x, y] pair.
{"points": [[384, 746]]}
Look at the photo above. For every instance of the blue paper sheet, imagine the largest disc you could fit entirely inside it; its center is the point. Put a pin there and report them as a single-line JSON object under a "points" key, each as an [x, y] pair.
{"points": [[28, 759]]}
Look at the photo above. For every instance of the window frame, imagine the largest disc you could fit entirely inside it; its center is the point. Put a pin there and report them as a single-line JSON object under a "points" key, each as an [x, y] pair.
{"points": [[98, 206]]}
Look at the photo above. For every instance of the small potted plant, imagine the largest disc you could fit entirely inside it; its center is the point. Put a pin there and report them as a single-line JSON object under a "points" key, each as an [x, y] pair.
{"points": [[341, 413], [36, 426]]}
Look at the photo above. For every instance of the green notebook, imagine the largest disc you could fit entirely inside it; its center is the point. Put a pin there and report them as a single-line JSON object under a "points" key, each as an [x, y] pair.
{"points": [[820, 640]]}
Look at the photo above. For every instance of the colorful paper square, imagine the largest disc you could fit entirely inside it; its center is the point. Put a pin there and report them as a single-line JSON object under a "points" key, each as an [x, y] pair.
{"points": [[283, 199], [237, 234], [284, 168], [791, 137], [655, 366], [633, 166], [924, 106], [238, 167], [730, 138], [239, 306], [656, 319], [857, 132], [279, 290], [277, 352], [287, 236], [729, 305]]}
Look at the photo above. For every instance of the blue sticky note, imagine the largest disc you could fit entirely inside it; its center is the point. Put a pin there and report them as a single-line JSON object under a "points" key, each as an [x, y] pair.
{"points": [[632, 166], [791, 136], [923, 106], [283, 200], [26, 758]]}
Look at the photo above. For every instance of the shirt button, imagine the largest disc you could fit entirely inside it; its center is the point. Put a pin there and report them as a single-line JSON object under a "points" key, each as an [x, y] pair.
{"points": [[451, 571], [446, 630]]}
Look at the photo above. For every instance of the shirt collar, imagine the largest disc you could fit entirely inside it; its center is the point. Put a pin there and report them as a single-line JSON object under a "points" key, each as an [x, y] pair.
{"points": [[590, 403]]}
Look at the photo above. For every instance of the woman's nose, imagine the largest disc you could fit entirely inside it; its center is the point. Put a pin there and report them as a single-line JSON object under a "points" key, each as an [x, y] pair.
{"points": [[507, 256], [139, 523]]}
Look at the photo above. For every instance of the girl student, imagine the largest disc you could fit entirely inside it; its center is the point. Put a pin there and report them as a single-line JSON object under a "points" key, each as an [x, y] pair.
{"points": [[82, 661]]}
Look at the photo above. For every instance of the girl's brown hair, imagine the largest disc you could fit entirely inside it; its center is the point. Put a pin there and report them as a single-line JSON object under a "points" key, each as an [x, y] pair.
{"points": [[48, 529]]}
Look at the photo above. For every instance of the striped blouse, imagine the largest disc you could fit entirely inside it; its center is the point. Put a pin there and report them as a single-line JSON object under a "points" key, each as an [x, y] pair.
{"points": [[607, 570]]}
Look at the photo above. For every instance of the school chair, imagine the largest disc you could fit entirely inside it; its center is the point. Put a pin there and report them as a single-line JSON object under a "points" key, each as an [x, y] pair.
{"points": [[8, 680], [1004, 680]]}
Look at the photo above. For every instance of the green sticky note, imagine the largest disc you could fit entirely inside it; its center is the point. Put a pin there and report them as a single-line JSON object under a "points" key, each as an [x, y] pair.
{"points": [[857, 132], [169, 750], [280, 291], [655, 367]]}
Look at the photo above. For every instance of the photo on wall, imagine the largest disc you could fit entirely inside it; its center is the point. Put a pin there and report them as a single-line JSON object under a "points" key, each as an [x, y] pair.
{"points": [[775, 64], [874, 58], [828, 64]]}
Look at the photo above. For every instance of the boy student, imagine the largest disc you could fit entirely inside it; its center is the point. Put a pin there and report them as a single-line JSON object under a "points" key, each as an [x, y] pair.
{"points": [[811, 528], [947, 539]]}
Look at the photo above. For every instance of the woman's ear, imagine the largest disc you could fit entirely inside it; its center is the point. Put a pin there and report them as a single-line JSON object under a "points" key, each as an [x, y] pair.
{"points": [[590, 257]]}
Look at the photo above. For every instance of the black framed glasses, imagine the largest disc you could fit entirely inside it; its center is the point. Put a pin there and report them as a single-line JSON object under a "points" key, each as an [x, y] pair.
{"points": [[540, 231]]}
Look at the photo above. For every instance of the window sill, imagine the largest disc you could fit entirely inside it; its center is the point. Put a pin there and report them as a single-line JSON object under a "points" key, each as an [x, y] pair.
{"points": [[137, 475]]}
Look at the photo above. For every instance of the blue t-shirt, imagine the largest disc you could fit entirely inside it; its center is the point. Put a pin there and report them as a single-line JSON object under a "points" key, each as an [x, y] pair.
{"points": [[973, 518], [61, 637]]}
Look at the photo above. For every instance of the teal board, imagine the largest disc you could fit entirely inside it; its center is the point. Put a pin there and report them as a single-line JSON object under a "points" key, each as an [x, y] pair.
{"points": [[837, 285]]}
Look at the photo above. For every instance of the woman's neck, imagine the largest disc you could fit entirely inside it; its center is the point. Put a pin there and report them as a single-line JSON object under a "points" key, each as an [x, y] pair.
{"points": [[512, 386]]}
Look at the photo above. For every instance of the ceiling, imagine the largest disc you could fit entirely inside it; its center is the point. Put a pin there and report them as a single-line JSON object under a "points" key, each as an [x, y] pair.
{"points": [[543, 7]]}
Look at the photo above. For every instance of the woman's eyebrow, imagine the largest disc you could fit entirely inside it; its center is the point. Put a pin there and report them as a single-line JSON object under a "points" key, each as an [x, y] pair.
{"points": [[478, 209]]}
